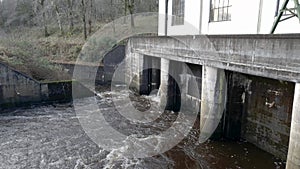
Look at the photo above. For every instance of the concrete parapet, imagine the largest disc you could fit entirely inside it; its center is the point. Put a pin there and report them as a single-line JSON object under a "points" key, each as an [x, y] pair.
{"points": [[273, 56]]}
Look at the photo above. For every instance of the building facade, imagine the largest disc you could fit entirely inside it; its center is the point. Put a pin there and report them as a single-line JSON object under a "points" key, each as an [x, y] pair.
{"points": [[194, 17]]}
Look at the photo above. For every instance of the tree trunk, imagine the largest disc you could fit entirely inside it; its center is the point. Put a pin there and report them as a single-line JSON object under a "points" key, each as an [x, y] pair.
{"points": [[59, 19], [131, 10], [125, 10], [90, 17], [112, 15], [84, 19], [71, 19], [46, 34]]}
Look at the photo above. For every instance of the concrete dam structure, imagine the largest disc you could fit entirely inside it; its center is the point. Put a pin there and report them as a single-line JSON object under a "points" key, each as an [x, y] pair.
{"points": [[254, 78], [18, 89]]}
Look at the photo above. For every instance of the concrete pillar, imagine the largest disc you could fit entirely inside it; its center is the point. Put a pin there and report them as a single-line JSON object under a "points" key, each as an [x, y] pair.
{"points": [[213, 98], [293, 159], [134, 69], [155, 77], [184, 83], [164, 82]]}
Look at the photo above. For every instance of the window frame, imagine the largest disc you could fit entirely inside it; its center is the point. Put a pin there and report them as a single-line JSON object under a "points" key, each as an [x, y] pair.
{"points": [[222, 5], [178, 12]]}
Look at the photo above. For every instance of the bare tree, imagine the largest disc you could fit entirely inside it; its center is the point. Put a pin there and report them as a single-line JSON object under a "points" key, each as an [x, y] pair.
{"points": [[55, 6], [83, 7], [70, 14], [91, 10], [1, 14], [43, 9], [112, 15], [131, 6]]}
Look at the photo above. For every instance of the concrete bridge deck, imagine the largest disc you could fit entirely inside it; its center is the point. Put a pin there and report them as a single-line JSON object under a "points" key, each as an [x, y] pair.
{"points": [[273, 56]]}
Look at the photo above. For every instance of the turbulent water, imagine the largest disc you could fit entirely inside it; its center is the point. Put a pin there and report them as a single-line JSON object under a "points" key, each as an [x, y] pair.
{"points": [[52, 137]]}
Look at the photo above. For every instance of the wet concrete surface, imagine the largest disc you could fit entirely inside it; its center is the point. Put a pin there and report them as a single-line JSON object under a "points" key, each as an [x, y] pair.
{"points": [[52, 137]]}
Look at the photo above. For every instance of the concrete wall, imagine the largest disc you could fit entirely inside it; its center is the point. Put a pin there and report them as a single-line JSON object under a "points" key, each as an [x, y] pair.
{"points": [[268, 114], [111, 61], [259, 110], [17, 89], [105, 70], [238, 84], [62, 91], [191, 98], [86, 70], [134, 68]]}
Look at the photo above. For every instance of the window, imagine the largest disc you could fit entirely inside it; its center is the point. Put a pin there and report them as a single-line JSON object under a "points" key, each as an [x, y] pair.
{"points": [[220, 10], [178, 12]]}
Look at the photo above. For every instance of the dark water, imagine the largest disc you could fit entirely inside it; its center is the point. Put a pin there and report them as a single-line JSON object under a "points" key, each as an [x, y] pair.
{"points": [[52, 137]]}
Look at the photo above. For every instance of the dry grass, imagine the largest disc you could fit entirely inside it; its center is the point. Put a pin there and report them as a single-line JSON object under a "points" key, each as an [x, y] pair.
{"points": [[28, 51]]}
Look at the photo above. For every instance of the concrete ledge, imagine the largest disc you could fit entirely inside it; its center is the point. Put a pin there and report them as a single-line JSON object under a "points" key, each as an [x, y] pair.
{"points": [[271, 56]]}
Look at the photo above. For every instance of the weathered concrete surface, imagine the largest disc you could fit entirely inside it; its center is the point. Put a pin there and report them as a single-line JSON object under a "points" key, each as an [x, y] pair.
{"points": [[134, 66], [164, 82], [259, 111], [174, 92], [237, 87], [191, 82], [64, 91], [16, 87], [150, 74], [268, 114], [111, 61], [87, 70], [213, 99], [293, 159], [275, 56], [99, 73]]}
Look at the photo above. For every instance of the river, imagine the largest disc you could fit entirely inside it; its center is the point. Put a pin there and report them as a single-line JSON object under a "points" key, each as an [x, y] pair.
{"points": [[51, 136]]}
